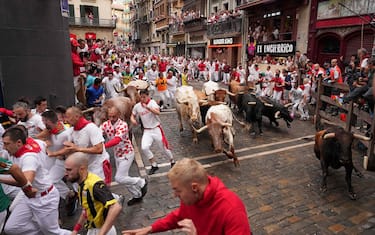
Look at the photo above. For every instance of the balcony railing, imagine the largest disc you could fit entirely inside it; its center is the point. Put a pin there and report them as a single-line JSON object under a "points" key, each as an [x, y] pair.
{"points": [[176, 28], [225, 27], [195, 24], [96, 22]]}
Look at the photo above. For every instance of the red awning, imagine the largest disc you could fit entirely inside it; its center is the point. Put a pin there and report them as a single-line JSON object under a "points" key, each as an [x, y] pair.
{"points": [[90, 35], [220, 46]]}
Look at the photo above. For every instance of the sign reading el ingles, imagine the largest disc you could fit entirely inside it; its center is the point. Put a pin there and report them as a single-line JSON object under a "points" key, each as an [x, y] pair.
{"points": [[276, 48]]}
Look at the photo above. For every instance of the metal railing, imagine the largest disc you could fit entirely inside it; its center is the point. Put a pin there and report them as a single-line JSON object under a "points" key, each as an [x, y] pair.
{"points": [[96, 22], [176, 28], [227, 26]]}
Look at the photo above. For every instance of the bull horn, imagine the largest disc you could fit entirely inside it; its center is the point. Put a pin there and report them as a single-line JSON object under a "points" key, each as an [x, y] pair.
{"points": [[288, 104], [277, 114], [88, 110], [269, 105], [202, 101], [329, 136], [361, 137], [225, 124], [201, 129], [117, 90], [251, 103], [240, 93]]}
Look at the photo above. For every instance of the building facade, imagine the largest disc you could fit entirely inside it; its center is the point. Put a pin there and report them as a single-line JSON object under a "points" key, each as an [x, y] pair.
{"points": [[91, 18], [176, 44], [277, 28], [224, 31], [340, 28], [121, 12]]}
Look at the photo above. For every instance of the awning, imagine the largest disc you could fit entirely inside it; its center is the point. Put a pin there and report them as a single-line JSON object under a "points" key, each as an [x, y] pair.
{"points": [[229, 45]]}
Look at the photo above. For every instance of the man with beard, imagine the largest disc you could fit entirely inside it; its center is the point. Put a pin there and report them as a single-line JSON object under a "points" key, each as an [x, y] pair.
{"points": [[24, 116], [99, 208], [37, 215], [57, 134]]}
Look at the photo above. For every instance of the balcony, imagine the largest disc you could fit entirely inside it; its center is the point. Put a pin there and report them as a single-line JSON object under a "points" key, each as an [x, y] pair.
{"points": [[231, 26], [176, 28], [96, 22], [195, 24]]}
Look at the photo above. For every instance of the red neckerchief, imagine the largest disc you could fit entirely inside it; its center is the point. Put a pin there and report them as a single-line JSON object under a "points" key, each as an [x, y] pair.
{"points": [[148, 101], [58, 129], [31, 146], [81, 123], [96, 87]]}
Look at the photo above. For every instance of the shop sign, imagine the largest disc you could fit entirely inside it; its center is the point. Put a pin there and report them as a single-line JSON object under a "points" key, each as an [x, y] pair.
{"points": [[276, 48], [221, 41]]}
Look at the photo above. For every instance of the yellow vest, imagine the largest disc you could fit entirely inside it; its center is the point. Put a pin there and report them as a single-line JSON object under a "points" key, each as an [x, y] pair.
{"points": [[95, 210]]}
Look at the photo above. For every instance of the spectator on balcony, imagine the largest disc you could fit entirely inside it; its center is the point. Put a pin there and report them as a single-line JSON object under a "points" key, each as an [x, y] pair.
{"points": [[90, 17], [276, 33]]}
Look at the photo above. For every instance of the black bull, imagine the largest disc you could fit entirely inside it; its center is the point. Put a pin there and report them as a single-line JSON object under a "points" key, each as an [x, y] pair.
{"points": [[255, 108], [333, 148]]}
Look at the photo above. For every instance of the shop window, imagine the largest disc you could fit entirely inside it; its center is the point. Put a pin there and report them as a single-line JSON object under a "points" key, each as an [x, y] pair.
{"points": [[330, 45]]}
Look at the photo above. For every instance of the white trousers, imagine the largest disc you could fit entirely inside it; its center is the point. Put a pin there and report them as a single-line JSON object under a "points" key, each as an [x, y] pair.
{"points": [[56, 174], [133, 184], [36, 216], [164, 96], [3, 215], [277, 96], [149, 136], [95, 231], [226, 77]]}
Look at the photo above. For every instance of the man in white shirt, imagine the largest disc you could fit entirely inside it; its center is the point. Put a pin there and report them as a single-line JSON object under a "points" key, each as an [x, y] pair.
{"points": [[32, 122], [37, 215], [109, 83], [148, 111]]}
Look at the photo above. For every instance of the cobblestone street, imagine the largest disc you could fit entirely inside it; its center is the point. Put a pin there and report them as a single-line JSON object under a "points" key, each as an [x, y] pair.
{"points": [[278, 180]]}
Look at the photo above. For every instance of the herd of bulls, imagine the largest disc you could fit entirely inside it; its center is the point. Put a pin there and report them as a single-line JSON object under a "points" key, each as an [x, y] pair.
{"points": [[207, 109]]}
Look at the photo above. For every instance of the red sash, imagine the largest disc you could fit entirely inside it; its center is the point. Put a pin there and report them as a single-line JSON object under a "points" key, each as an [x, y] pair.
{"points": [[163, 138], [58, 129]]}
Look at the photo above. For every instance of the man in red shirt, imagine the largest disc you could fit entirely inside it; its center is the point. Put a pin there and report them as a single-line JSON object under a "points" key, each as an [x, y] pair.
{"points": [[163, 67], [202, 70], [207, 207], [77, 64]]}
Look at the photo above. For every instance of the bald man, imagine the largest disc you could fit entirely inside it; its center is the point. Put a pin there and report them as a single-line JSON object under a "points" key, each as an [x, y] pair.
{"points": [[87, 138], [117, 132], [99, 207]]}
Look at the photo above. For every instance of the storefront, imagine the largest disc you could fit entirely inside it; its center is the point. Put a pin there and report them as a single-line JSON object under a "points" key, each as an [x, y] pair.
{"points": [[225, 48], [337, 31]]}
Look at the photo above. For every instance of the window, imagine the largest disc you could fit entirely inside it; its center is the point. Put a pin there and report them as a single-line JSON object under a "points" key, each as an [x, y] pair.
{"points": [[71, 10], [330, 44], [215, 9], [225, 5]]}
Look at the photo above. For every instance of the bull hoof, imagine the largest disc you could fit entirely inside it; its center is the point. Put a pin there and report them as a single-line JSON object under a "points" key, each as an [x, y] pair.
{"points": [[359, 174], [195, 141], [288, 125], [181, 129], [353, 195], [236, 162]]}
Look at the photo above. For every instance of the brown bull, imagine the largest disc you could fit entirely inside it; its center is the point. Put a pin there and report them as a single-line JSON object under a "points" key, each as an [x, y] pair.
{"points": [[236, 88], [124, 105]]}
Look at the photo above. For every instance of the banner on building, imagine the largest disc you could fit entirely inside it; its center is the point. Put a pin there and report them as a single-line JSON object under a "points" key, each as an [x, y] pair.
{"points": [[64, 8], [276, 48], [343, 8]]}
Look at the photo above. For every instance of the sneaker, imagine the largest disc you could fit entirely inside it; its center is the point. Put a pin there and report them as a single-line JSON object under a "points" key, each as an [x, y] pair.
{"points": [[144, 188], [71, 204], [172, 164], [134, 201], [121, 200], [153, 170]]}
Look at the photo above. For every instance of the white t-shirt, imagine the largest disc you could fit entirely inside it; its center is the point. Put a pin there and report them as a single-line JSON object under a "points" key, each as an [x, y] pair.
{"points": [[32, 162], [108, 86], [89, 136], [172, 83], [152, 75], [57, 143], [34, 125], [149, 119]]}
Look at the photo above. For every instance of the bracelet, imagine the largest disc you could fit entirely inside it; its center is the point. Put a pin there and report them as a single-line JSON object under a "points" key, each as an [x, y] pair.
{"points": [[77, 227], [27, 186]]}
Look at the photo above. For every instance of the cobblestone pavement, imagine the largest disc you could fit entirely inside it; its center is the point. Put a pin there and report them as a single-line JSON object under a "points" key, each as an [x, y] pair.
{"points": [[278, 180]]}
